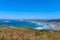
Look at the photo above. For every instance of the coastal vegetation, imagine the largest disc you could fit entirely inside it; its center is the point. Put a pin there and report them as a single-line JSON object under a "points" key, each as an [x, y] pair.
{"points": [[25, 33]]}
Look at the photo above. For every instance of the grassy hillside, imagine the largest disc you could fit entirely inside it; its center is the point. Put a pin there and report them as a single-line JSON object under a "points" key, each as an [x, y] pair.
{"points": [[23, 33]]}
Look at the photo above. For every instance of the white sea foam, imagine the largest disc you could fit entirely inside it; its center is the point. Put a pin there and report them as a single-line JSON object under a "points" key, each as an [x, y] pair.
{"points": [[52, 26], [39, 28], [6, 21], [44, 26], [35, 22]]}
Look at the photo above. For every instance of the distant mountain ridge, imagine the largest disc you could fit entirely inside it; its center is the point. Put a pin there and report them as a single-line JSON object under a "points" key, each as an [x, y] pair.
{"points": [[51, 20]]}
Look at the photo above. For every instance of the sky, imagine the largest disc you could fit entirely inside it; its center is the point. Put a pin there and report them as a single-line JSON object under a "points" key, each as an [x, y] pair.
{"points": [[29, 9]]}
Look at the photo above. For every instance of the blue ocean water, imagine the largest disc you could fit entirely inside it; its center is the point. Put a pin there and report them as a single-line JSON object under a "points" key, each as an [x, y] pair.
{"points": [[25, 23]]}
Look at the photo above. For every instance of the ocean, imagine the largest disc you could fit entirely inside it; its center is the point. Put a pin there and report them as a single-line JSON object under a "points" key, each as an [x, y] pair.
{"points": [[26, 23]]}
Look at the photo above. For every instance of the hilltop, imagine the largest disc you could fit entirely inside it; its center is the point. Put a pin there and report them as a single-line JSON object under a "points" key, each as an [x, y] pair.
{"points": [[24, 33]]}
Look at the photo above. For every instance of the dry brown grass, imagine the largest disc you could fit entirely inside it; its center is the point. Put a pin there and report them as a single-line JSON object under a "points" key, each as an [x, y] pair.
{"points": [[22, 33]]}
